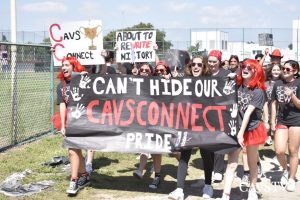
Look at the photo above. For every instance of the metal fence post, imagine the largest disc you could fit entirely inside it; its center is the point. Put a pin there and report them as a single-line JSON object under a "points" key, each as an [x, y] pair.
{"points": [[14, 106], [52, 91]]}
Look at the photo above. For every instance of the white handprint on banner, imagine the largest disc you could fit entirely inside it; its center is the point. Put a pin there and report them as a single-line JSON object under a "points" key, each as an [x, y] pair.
{"points": [[84, 81], [232, 127], [75, 94], [234, 110], [229, 87], [78, 111]]}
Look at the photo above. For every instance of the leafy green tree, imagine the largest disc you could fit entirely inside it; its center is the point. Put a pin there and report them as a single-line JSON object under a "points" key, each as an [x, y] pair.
{"points": [[194, 48], [163, 45], [290, 46]]}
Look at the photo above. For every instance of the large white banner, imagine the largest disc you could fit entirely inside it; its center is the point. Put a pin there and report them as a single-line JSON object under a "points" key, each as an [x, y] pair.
{"points": [[135, 46], [80, 39]]}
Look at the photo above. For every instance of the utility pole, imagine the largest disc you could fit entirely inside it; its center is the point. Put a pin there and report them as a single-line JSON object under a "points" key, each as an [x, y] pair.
{"points": [[13, 27]]}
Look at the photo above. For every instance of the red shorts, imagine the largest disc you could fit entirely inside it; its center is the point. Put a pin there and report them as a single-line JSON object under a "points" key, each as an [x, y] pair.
{"points": [[56, 120], [280, 126], [256, 136]]}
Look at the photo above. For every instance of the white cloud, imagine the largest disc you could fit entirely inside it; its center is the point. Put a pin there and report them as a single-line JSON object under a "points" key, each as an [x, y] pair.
{"points": [[226, 16], [133, 9], [92, 9], [179, 7], [46, 6], [272, 2], [282, 5]]}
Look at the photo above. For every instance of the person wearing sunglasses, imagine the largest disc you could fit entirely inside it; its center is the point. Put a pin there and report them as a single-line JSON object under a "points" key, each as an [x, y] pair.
{"points": [[252, 132], [285, 121], [196, 68], [163, 70], [144, 69], [215, 69]]}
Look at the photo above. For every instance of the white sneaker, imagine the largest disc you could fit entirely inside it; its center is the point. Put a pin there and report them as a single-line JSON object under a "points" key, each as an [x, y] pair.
{"points": [[252, 195], [208, 191], [245, 181], [89, 168], [291, 185], [284, 178], [269, 141], [138, 174], [218, 177], [176, 194]]}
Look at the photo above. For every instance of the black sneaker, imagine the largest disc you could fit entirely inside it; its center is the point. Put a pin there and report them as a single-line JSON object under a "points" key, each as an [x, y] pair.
{"points": [[83, 181], [155, 183], [73, 187]]}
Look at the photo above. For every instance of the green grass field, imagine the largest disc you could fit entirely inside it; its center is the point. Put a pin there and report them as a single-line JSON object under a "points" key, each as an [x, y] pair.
{"points": [[33, 106], [112, 176]]}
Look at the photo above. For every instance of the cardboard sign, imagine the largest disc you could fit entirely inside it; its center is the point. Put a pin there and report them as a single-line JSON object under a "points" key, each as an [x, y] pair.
{"points": [[135, 46], [81, 39]]}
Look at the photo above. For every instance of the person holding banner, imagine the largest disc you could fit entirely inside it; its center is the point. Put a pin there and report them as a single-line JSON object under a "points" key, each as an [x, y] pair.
{"points": [[213, 162], [69, 66], [286, 95], [164, 71], [144, 69], [252, 132], [195, 68]]}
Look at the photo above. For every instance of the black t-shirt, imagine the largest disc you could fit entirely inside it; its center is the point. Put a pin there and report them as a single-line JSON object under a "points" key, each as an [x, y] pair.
{"points": [[255, 98], [63, 92], [287, 113], [269, 85], [222, 73]]}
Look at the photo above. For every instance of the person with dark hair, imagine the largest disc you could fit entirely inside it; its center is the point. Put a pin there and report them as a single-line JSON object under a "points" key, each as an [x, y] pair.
{"points": [[234, 64], [162, 70], [258, 57], [286, 110], [143, 69], [225, 64], [196, 68], [272, 74], [214, 66], [69, 66], [107, 68]]}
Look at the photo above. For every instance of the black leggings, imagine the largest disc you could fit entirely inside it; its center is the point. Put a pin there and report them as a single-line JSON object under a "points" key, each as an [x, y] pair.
{"points": [[208, 164]]}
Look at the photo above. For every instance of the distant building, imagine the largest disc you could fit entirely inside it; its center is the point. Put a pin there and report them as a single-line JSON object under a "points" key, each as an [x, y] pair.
{"points": [[296, 38], [209, 40]]}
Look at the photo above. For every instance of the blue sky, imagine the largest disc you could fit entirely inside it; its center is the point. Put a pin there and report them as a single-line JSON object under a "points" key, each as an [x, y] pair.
{"points": [[37, 15]]}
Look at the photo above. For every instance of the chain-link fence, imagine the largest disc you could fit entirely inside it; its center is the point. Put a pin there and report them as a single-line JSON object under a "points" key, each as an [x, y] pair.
{"points": [[26, 83], [244, 42], [26, 87]]}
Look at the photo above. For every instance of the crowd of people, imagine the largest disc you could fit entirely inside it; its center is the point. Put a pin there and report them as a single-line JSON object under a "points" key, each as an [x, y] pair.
{"points": [[268, 110]]}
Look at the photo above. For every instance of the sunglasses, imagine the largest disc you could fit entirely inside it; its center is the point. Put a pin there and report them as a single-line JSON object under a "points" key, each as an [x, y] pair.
{"points": [[287, 69], [248, 67], [160, 70], [199, 64], [145, 70]]}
